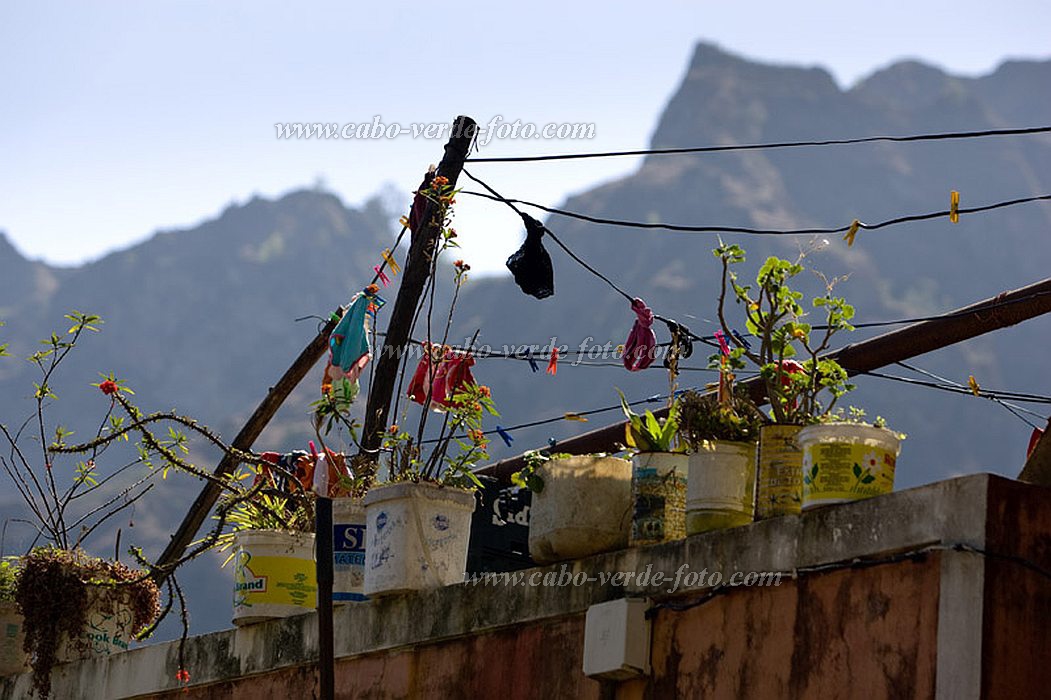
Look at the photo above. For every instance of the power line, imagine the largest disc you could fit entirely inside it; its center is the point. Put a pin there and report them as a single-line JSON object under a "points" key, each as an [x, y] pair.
{"points": [[944, 136], [684, 228]]}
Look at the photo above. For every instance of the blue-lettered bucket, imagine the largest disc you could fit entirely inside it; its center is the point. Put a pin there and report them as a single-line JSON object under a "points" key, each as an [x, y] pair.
{"points": [[348, 550]]}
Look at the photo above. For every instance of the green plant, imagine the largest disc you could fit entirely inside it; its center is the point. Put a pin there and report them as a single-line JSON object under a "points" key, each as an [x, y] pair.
{"points": [[526, 477], [774, 315], [647, 433], [447, 459], [856, 416], [70, 502], [52, 593], [8, 578], [703, 418]]}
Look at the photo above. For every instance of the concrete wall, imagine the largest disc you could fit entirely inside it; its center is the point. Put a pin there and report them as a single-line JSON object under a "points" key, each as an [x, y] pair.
{"points": [[946, 622]]}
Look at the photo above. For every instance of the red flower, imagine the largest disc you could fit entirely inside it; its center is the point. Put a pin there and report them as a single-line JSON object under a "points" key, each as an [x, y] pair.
{"points": [[182, 675], [485, 391], [109, 387]]}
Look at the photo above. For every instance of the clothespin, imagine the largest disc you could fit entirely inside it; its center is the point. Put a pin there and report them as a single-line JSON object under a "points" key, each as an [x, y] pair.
{"points": [[392, 264], [532, 363], [849, 237], [620, 350], [656, 398], [954, 207], [383, 277], [313, 448], [723, 345], [575, 416], [552, 364], [404, 221], [726, 383], [742, 340], [973, 383], [504, 435], [1034, 438]]}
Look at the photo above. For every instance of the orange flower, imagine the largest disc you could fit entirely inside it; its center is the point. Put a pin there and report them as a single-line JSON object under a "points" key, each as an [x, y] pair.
{"points": [[485, 391], [109, 387], [439, 181], [393, 429]]}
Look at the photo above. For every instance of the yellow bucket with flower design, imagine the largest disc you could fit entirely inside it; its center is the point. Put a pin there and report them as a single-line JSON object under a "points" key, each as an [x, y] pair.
{"points": [[845, 462]]}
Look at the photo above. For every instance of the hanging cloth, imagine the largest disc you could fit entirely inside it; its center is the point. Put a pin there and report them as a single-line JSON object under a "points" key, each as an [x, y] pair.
{"points": [[530, 264], [640, 348], [445, 370], [349, 349]]}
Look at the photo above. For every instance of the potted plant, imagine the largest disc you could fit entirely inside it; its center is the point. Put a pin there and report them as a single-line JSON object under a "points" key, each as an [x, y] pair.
{"points": [[846, 458], [13, 658], [418, 519], [581, 505], [271, 543], [74, 603], [797, 391], [721, 434], [658, 476]]}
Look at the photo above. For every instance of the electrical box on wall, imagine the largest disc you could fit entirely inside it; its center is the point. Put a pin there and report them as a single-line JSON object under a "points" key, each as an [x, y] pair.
{"points": [[617, 639]]}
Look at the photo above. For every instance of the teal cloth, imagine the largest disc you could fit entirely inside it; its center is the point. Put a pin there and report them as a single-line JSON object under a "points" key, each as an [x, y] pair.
{"points": [[350, 341]]}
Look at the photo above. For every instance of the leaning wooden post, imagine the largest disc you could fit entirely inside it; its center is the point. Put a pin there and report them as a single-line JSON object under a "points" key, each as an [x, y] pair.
{"points": [[414, 277], [244, 441]]}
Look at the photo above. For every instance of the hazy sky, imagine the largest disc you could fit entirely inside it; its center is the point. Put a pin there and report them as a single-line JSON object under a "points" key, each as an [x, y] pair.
{"points": [[119, 119]]}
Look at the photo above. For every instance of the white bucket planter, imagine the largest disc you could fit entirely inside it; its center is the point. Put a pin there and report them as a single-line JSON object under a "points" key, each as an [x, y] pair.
{"points": [[845, 462], [416, 537], [720, 488], [13, 658], [583, 509], [274, 575], [348, 550], [108, 626], [658, 497]]}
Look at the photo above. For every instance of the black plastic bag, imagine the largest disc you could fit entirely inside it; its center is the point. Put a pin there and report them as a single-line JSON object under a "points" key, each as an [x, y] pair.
{"points": [[530, 264]]}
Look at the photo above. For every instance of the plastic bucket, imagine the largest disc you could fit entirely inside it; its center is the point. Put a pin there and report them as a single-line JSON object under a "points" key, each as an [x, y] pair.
{"points": [[779, 480], [720, 487], [107, 626], [583, 509], [658, 497], [416, 537], [845, 462], [274, 575], [348, 550], [13, 658]]}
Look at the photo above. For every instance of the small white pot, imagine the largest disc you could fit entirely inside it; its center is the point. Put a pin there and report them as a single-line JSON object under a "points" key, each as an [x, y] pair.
{"points": [[720, 488], [583, 509], [108, 626], [416, 536], [274, 575], [348, 550]]}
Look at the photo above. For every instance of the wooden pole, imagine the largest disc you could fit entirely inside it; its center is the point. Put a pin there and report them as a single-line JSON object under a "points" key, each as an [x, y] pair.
{"points": [[245, 439], [1005, 309], [416, 270]]}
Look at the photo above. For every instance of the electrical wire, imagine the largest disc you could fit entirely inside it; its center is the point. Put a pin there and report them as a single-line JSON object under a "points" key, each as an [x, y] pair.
{"points": [[684, 228], [943, 136]]}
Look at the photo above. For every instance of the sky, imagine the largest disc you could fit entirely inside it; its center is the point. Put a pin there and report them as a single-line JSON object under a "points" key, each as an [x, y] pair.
{"points": [[122, 119]]}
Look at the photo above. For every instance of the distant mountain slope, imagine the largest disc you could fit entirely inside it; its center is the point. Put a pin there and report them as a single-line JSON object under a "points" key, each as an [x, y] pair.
{"points": [[202, 319]]}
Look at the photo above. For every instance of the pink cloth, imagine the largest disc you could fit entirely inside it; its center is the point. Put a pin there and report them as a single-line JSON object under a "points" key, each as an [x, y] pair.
{"points": [[640, 348]]}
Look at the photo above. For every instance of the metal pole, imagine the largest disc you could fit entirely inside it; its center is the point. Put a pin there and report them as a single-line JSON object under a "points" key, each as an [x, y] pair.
{"points": [[323, 555]]}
